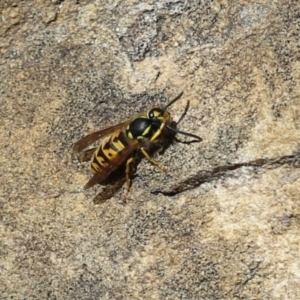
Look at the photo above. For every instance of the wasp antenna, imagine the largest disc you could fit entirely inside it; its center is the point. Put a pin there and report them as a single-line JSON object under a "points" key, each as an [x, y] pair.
{"points": [[184, 133], [174, 100]]}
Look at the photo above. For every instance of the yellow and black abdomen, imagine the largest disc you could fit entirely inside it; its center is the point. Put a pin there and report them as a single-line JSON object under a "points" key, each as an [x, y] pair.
{"points": [[108, 152]]}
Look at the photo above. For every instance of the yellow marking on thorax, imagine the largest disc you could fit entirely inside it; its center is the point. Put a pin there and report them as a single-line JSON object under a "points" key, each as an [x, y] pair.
{"points": [[146, 131], [130, 135]]}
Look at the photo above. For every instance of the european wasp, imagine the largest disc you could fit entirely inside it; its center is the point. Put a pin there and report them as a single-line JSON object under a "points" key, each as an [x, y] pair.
{"points": [[125, 140]]}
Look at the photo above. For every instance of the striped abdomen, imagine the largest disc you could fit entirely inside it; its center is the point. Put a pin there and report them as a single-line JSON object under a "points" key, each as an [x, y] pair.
{"points": [[107, 154]]}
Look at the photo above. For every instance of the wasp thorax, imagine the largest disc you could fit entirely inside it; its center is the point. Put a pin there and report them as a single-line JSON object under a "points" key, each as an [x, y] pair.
{"points": [[138, 128], [146, 126]]}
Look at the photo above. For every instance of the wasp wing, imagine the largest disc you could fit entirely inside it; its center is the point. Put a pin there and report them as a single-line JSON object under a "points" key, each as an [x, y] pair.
{"points": [[93, 137], [112, 164]]}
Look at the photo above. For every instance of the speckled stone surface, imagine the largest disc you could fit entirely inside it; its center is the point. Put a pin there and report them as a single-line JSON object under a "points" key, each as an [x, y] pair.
{"points": [[224, 222]]}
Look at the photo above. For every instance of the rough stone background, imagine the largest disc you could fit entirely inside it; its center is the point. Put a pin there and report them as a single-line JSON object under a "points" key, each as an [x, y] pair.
{"points": [[224, 223]]}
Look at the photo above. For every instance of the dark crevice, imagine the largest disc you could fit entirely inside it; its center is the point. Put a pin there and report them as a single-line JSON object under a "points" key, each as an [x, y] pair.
{"points": [[204, 176]]}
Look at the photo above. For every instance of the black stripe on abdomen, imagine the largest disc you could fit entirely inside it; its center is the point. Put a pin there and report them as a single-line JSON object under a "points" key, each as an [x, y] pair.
{"points": [[108, 149]]}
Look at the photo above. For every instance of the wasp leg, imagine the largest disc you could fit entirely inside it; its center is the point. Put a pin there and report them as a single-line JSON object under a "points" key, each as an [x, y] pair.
{"points": [[128, 172], [155, 163]]}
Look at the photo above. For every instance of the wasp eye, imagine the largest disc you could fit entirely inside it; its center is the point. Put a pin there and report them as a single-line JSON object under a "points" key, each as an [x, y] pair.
{"points": [[151, 114], [155, 113]]}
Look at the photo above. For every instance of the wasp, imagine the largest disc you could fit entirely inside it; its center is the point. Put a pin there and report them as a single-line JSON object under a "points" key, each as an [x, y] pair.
{"points": [[124, 140]]}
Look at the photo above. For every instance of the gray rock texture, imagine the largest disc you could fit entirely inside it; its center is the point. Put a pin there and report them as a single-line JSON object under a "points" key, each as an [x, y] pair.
{"points": [[224, 223]]}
